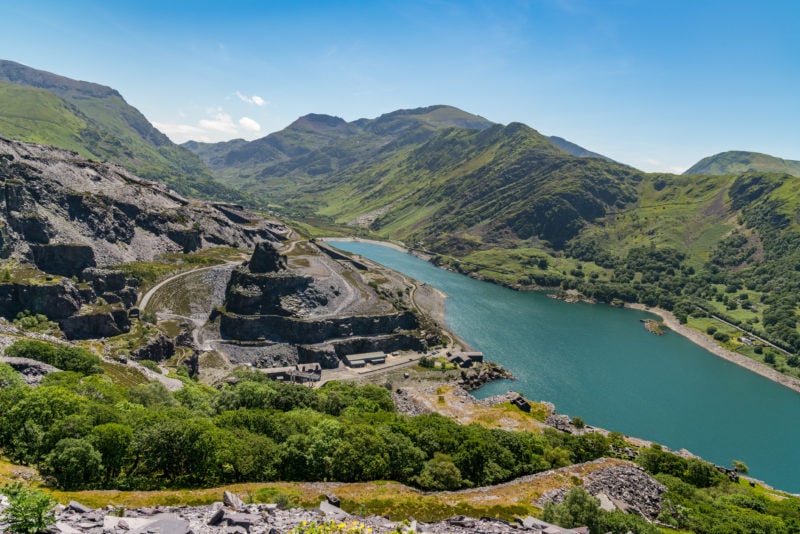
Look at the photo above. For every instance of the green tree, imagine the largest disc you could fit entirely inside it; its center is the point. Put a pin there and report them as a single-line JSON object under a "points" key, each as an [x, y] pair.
{"points": [[9, 378], [439, 473], [113, 442], [740, 466], [74, 463], [29, 511], [578, 509]]}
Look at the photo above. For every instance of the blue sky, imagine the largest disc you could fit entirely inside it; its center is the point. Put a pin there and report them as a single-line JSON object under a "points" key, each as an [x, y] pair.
{"points": [[657, 84]]}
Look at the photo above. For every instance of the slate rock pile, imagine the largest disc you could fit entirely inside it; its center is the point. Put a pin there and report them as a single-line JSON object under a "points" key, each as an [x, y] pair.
{"points": [[626, 487], [233, 516]]}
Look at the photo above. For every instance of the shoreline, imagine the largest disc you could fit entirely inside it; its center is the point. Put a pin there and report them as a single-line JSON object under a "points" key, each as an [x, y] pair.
{"points": [[704, 342], [670, 321]]}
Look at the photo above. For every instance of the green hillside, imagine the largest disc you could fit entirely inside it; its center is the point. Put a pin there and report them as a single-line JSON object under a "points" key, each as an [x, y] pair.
{"points": [[96, 122], [505, 203], [39, 116], [737, 162]]}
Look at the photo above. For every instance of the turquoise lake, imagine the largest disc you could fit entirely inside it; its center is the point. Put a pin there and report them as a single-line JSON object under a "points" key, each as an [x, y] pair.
{"points": [[599, 363]]}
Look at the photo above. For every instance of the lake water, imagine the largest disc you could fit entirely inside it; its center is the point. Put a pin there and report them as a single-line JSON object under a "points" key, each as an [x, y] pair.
{"points": [[599, 363]]}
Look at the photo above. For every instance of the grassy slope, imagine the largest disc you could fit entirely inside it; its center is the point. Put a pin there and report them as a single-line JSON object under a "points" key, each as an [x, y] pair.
{"points": [[96, 122], [38, 116]]}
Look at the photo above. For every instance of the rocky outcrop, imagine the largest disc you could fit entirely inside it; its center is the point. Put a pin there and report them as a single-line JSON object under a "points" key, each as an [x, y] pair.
{"points": [[104, 280], [65, 259], [32, 371], [266, 259], [262, 294], [55, 300], [292, 330], [96, 324], [157, 349], [66, 213], [481, 374], [626, 487]]}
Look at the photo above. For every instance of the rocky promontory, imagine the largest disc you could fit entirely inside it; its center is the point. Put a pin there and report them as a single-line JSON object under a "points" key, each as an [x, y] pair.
{"points": [[317, 310]]}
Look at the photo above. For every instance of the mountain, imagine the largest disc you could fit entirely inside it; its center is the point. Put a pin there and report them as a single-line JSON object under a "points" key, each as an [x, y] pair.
{"points": [[737, 162], [96, 122], [427, 174], [576, 150], [66, 222]]}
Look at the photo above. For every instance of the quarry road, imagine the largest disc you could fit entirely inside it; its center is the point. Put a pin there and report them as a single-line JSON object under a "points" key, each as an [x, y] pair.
{"points": [[152, 291], [198, 317]]}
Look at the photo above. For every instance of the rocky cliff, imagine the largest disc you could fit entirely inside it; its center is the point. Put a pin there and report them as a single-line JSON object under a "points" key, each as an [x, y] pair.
{"points": [[65, 220], [65, 213], [288, 314]]}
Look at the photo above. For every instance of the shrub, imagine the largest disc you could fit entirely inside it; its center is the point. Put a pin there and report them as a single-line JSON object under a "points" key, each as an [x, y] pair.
{"points": [[29, 510], [65, 357], [150, 364], [74, 463]]}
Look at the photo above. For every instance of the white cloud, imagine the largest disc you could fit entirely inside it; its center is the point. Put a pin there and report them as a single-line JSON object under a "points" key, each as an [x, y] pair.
{"points": [[218, 126], [249, 124], [222, 122], [180, 131], [654, 165], [255, 99]]}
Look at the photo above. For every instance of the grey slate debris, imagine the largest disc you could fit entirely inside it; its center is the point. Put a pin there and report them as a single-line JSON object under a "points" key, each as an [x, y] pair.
{"points": [[263, 519], [232, 500]]}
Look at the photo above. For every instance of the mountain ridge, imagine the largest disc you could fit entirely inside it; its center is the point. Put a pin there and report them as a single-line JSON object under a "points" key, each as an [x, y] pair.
{"points": [[741, 161], [96, 121]]}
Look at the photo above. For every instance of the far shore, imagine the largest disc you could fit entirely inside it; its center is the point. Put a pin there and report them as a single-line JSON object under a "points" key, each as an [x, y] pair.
{"points": [[389, 244], [670, 321], [707, 343]]}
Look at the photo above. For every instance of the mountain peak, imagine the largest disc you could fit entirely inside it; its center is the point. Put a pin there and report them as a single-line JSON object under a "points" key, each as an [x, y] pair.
{"points": [[316, 121], [741, 161], [438, 116]]}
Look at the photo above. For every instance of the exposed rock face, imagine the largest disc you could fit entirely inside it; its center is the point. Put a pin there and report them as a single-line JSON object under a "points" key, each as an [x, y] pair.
{"points": [[65, 259], [32, 371], [266, 259], [56, 301], [104, 280], [66, 213], [280, 315], [291, 330], [262, 294], [95, 325], [631, 485], [72, 217], [626, 486], [157, 349]]}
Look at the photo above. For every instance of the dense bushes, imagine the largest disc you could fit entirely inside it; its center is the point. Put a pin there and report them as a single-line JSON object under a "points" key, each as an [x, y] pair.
{"points": [[65, 357], [86, 432]]}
